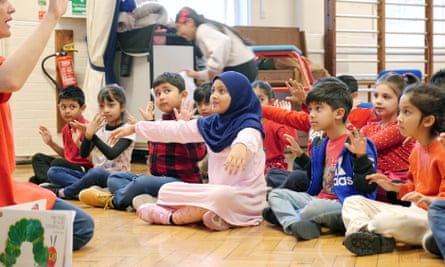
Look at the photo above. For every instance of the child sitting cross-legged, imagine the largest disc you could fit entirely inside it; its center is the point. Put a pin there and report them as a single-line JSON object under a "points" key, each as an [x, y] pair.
{"points": [[373, 227], [340, 161], [168, 162], [236, 192], [106, 157], [71, 104]]}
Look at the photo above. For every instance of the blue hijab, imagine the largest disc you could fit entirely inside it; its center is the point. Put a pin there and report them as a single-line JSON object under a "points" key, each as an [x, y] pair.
{"points": [[219, 130]]}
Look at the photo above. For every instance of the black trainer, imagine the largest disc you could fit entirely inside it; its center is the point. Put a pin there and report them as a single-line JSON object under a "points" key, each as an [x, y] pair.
{"points": [[52, 187], [306, 230], [368, 243], [270, 217], [430, 245]]}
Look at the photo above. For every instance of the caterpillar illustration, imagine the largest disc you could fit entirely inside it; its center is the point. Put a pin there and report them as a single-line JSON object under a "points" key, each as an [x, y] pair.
{"points": [[28, 230]]}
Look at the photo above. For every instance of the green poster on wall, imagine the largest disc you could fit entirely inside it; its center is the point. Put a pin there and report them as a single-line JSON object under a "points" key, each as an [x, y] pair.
{"points": [[79, 7]]}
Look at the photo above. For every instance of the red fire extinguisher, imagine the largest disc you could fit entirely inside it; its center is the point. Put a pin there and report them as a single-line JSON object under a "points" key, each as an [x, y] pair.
{"points": [[65, 67]]}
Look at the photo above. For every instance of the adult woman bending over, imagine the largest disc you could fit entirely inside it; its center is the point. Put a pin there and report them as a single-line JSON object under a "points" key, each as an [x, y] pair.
{"points": [[223, 48]]}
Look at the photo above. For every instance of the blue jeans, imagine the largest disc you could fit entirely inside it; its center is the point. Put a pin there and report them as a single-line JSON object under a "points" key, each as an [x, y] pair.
{"points": [[64, 176], [125, 186], [436, 218], [94, 176], [290, 207], [83, 226]]}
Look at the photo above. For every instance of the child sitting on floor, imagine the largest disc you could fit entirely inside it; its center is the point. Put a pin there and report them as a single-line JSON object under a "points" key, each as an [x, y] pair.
{"points": [[71, 104], [236, 192], [373, 227], [106, 157], [339, 164]]}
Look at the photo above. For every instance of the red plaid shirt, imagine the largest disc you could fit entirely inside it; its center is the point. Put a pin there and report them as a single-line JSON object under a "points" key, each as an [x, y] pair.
{"points": [[176, 160]]}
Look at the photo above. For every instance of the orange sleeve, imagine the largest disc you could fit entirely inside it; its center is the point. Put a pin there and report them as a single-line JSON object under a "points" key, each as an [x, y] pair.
{"points": [[26, 192], [298, 120]]}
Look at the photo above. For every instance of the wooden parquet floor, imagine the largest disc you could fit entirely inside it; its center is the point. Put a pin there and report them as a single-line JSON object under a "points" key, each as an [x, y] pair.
{"points": [[121, 239]]}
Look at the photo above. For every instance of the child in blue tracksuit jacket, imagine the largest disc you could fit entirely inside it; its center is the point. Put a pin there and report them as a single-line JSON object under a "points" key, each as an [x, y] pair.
{"points": [[340, 163], [348, 169]]}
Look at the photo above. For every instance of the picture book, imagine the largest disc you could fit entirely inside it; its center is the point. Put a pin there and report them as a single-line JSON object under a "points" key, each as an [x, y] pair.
{"points": [[33, 236]]}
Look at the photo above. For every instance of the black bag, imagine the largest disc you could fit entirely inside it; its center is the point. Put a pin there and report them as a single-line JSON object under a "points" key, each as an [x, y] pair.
{"points": [[141, 40]]}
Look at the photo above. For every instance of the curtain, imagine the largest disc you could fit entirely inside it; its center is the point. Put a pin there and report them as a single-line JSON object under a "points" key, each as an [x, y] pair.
{"points": [[101, 24]]}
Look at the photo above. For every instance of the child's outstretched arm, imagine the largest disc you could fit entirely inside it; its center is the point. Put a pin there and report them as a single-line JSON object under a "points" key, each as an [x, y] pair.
{"points": [[383, 181], [121, 132], [113, 151], [236, 158]]}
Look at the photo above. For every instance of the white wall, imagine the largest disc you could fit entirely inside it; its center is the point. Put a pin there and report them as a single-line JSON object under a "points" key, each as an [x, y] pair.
{"points": [[35, 104]]}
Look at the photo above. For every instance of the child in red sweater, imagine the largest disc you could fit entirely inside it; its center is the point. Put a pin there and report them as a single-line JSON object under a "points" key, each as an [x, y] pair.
{"points": [[393, 148], [275, 141]]}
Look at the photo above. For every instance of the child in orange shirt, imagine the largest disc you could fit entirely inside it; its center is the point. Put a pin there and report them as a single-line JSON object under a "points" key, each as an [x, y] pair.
{"points": [[373, 227]]}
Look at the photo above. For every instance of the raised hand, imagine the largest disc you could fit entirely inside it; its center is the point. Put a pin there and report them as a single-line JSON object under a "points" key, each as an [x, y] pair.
{"points": [[46, 135], [94, 125], [358, 143], [187, 111], [149, 112], [81, 127], [296, 89], [75, 135], [283, 104], [293, 146], [57, 8], [130, 118]]}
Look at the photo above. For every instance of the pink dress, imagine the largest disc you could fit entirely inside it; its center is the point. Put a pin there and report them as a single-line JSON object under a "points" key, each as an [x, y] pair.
{"points": [[238, 199]]}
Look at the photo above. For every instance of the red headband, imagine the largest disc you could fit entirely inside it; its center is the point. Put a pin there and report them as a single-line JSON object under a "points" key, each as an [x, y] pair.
{"points": [[183, 15]]}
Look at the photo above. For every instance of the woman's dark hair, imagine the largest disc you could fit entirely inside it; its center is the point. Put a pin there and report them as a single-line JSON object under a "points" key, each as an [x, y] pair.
{"points": [[430, 100], [187, 12]]}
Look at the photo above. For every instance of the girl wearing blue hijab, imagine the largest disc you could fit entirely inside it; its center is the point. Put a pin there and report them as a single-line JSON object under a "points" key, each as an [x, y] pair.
{"points": [[219, 130], [236, 192]]}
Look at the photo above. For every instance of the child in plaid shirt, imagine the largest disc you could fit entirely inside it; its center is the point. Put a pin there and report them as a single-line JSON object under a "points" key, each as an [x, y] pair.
{"points": [[168, 162]]}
